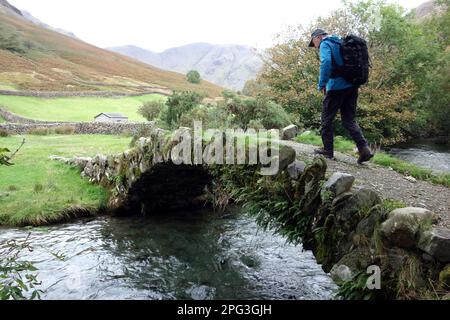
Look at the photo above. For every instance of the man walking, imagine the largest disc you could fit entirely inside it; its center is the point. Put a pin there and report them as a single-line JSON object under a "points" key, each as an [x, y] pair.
{"points": [[340, 95]]}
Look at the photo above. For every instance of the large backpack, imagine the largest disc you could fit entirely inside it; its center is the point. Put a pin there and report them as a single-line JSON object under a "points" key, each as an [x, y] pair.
{"points": [[355, 55]]}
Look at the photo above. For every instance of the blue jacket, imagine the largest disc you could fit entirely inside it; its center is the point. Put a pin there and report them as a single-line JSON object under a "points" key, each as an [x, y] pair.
{"points": [[328, 47]]}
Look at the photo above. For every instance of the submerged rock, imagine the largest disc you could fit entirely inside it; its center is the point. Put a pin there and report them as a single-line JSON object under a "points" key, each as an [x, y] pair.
{"points": [[402, 227], [436, 242]]}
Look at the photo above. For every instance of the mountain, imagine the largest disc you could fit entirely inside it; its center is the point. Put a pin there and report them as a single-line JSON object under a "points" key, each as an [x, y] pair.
{"points": [[36, 58], [229, 66], [427, 9], [31, 18], [7, 6]]}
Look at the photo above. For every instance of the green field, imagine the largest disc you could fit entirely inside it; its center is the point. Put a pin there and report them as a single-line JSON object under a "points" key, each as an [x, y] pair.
{"points": [[2, 120], [77, 109], [36, 190]]}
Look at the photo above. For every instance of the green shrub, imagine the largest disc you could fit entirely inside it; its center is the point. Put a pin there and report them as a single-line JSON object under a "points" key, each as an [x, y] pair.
{"points": [[199, 113], [39, 131], [267, 112], [4, 133], [178, 104], [193, 76], [255, 124], [151, 110], [65, 130]]}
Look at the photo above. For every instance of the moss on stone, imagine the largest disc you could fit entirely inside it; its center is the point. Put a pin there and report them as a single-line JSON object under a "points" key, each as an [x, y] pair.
{"points": [[444, 278]]}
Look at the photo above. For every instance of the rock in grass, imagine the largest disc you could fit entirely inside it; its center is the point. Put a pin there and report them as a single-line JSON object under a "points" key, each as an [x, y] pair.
{"points": [[402, 227], [289, 132], [436, 242]]}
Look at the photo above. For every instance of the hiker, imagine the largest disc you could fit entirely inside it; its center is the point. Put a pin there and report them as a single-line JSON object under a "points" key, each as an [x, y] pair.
{"points": [[341, 94]]}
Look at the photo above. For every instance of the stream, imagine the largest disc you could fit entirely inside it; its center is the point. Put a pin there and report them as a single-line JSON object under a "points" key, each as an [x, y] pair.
{"points": [[187, 256], [424, 153]]}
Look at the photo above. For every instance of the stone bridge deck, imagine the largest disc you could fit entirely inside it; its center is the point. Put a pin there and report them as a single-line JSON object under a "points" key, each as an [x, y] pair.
{"points": [[390, 184]]}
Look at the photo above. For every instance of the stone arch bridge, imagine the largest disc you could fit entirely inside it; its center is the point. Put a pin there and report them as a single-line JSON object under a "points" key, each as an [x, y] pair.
{"points": [[148, 177], [348, 229]]}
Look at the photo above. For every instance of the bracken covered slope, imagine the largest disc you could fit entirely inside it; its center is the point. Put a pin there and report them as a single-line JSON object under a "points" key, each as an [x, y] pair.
{"points": [[35, 58]]}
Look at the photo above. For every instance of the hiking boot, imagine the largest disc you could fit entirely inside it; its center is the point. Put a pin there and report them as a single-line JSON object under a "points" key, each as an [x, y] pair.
{"points": [[365, 154], [324, 153]]}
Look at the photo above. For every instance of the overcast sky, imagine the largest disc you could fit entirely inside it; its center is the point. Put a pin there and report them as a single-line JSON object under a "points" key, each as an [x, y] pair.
{"points": [[162, 24]]}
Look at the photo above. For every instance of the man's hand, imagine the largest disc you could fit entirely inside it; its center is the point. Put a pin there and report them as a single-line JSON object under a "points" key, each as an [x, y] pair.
{"points": [[324, 91]]}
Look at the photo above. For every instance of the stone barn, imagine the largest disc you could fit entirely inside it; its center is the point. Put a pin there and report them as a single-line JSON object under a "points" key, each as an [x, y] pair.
{"points": [[111, 117]]}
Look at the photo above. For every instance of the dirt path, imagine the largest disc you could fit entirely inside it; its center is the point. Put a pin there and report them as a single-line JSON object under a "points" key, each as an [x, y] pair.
{"points": [[390, 184]]}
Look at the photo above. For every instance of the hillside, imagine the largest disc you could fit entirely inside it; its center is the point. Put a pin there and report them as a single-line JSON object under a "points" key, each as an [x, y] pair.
{"points": [[426, 10], [229, 66], [36, 58]]}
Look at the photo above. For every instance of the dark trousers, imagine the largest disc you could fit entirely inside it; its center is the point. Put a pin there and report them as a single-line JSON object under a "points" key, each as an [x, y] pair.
{"points": [[346, 102]]}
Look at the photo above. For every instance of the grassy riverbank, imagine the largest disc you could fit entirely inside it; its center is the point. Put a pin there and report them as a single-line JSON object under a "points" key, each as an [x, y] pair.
{"points": [[74, 108], [382, 159], [37, 191]]}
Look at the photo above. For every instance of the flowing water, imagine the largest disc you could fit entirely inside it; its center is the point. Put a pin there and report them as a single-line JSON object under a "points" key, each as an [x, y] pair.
{"points": [[190, 256], [425, 154]]}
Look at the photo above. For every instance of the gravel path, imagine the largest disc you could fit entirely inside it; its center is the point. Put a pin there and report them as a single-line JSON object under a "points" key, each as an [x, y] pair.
{"points": [[390, 184]]}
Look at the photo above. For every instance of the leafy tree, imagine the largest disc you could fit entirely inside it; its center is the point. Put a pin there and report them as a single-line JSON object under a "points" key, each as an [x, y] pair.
{"points": [[433, 98], [198, 113], [408, 71], [260, 109], [178, 104], [150, 110], [193, 76]]}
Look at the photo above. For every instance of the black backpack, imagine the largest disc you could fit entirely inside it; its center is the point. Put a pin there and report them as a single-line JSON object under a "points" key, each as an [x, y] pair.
{"points": [[355, 55]]}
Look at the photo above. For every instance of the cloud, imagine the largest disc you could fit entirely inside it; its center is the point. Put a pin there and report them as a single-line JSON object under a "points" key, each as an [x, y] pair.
{"points": [[157, 25]]}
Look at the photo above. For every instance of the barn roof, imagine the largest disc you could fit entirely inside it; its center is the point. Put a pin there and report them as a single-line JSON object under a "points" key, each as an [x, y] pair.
{"points": [[112, 115]]}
